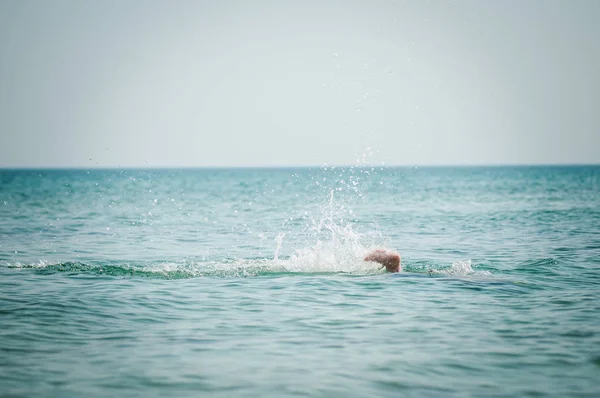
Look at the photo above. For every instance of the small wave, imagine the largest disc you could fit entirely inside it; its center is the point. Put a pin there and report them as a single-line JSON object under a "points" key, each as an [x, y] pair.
{"points": [[542, 266], [331, 246], [317, 260], [457, 268], [186, 269], [161, 270]]}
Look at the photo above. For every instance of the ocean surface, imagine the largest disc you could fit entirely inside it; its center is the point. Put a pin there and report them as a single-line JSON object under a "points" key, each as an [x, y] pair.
{"points": [[250, 282]]}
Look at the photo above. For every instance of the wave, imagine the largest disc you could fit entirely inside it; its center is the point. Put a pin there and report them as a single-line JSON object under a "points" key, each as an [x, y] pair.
{"points": [[309, 262], [160, 270], [332, 247]]}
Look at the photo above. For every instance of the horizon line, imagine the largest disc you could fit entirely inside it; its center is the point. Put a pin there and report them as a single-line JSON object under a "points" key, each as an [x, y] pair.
{"points": [[266, 167]]}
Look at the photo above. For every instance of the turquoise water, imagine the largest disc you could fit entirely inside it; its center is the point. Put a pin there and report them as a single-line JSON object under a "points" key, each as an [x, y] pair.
{"points": [[250, 283]]}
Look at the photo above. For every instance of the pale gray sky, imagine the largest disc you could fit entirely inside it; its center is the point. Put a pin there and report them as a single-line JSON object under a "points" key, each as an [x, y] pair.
{"points": [[260, 83]]}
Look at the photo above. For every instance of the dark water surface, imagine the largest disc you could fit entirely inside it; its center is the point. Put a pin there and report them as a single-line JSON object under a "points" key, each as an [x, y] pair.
{"points": [[250, 282]]}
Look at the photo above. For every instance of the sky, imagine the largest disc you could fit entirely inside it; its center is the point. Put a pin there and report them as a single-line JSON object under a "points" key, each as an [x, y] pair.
{"points": [[298, 83]]}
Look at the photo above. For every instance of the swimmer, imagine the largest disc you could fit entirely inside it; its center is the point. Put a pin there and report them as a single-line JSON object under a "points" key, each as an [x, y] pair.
{"points": [[388, 259]]}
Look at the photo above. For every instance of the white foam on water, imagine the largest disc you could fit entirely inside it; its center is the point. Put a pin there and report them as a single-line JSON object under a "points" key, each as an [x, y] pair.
{"points": [[340, 254], [462, 268], [40, 264]]}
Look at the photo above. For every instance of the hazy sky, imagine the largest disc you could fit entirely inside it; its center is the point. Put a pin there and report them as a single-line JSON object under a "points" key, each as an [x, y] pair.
{"points": [[253, 83]]}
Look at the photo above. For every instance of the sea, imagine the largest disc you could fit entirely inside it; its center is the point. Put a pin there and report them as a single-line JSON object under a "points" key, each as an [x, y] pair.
{"points": [[250, 282]]}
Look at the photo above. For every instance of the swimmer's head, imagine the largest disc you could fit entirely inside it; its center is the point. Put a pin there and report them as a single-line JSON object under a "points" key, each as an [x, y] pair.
{"points": [[394, 264]]}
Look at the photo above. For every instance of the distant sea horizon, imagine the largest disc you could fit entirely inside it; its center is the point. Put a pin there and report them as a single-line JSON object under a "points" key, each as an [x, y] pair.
{"points": [[212, 167]]}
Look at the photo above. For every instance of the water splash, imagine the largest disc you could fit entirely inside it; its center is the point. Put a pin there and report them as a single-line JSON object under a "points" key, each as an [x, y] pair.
{"points": [[279, 240], [334, 244], [461, 268], [329, 245]]}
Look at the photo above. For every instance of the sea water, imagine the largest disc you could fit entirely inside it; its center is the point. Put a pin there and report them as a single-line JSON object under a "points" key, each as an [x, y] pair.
{"points": [[251, 282]]}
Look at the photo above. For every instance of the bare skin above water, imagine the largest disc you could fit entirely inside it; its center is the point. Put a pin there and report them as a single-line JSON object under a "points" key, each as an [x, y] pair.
{"points": [[390, 260]]}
